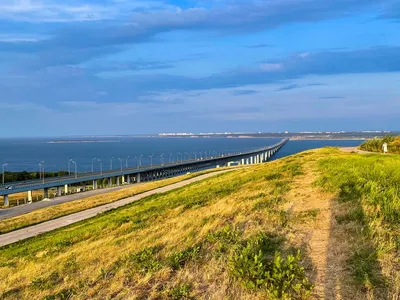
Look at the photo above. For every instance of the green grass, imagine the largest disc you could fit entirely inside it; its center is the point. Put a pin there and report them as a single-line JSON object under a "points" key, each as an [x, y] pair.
{"points": [[370, 186]]}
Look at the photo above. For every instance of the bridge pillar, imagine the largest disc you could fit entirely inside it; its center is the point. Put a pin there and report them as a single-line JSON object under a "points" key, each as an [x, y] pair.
{"points": [[59, 191], [45, 193], [256, 158], [118, 181], [95, 184], [6, 202], [251, 160], [110, 181], [66, 189], [138, 177], [29, 196], [128, 178]]}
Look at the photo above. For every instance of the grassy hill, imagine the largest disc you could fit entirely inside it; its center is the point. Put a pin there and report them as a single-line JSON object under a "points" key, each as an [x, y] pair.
{"points": [[320, 224]]}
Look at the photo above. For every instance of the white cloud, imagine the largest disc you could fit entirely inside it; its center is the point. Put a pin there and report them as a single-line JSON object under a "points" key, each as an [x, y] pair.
{"points": [[60, 11], [271, 67], [21, 38]]}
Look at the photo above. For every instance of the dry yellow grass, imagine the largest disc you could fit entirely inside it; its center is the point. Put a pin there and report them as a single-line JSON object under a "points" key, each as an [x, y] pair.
{"points": [[57, 211], [19, 198], [174, 221]]}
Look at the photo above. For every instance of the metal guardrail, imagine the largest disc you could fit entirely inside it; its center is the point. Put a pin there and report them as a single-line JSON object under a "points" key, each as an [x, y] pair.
{"points": [[23, 186]]}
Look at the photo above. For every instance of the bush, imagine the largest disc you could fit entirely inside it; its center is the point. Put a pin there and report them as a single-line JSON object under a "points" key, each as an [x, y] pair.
{"points": [[146, 260], [375, 145], [179, 259], [259, 266], [181, 291]]}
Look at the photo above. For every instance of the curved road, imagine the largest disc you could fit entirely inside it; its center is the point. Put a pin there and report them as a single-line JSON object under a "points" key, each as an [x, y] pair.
{"points": [[22, 234]]}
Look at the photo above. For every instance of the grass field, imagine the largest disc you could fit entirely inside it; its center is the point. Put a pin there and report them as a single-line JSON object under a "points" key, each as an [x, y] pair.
{"points": [[64, 209], [320, 224]]}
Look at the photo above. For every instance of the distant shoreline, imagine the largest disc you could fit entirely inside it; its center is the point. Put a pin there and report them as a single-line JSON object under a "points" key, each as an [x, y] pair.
{"points": [[79, 141]]}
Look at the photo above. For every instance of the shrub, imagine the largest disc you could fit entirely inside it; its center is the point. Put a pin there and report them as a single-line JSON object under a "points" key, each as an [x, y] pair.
{"points": [[181, 291], [375, 145], [146, 260], [179, 259], [258, 265], [224, 238]]}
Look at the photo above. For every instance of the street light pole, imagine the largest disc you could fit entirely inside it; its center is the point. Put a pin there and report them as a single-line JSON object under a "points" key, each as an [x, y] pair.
{"points": [[120, 161], [101, 166], [151, 160], [69, 167], [93, 159], [111, 160], [162, 159], [170, 158], [139, 161], [180, 155], [4, 170], [41, 164], [76, 174], [126, 165]]}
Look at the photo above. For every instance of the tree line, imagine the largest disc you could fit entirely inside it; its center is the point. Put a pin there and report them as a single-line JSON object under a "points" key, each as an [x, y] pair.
{"points": [[25, 175]]}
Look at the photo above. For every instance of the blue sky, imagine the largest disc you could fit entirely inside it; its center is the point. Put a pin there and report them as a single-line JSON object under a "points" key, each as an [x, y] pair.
{"points": [[126, 67]]}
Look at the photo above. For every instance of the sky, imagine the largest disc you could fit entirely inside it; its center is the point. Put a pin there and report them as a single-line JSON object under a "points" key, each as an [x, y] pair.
{"points": [[102, 67]]}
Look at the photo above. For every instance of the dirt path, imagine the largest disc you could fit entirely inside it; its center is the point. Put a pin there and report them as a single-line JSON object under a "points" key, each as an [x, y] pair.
{"points": [[327, 244], [356, 150], [21, 234]]}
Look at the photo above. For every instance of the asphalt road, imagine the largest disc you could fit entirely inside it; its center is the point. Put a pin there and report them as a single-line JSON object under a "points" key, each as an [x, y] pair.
{"points": [[21, 234], [27, 208]]}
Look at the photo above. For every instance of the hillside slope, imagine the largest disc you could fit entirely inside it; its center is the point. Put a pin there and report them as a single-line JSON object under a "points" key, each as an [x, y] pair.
{"points": [[320, 224]]}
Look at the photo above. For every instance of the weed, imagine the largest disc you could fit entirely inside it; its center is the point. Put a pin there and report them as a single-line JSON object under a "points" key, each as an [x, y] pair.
{"points": [[180, 291], [146, 261], [306, 215], [44, 283], [62, 295], [268, 203], [354, 215], [224, 238], [179, 259], [258, 265], [273, 176], [364, 267]]}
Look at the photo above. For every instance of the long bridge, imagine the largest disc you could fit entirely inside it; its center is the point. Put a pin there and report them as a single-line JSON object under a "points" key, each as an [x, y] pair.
{"points": [[138, 174]]}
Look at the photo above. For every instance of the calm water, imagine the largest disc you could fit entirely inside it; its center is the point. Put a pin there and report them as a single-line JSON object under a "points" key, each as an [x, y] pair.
{"points": [[25, 154]]}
